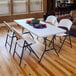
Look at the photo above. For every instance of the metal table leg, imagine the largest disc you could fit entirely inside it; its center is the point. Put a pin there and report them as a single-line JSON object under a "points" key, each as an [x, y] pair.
{"points": [[48, 49], [44, 49], [54, 45], [62, 44]]}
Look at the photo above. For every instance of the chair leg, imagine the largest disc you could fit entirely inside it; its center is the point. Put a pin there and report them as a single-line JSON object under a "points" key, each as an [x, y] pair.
{"points": [[31, 35], [22, 54], [6, 40], [11, 44], [14, 49], [33, 51], [29, 50], [70, 41]]}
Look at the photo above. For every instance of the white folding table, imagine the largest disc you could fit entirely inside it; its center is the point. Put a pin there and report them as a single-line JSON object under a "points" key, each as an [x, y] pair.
{"points": [[43, 32]]}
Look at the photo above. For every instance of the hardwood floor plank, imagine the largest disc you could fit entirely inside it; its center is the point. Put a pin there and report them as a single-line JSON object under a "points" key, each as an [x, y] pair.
{"points": [[51, 64]]}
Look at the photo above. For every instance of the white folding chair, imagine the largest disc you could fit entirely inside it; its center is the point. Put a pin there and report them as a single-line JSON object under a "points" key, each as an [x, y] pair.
{"points": [[23, 42], [52, 20], [66, 25], [10, 35]]}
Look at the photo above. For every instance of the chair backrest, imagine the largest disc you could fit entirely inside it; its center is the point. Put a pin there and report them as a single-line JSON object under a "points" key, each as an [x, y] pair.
{"points": [[17, 33], [65, 23], [8, 26], [52, 19]]}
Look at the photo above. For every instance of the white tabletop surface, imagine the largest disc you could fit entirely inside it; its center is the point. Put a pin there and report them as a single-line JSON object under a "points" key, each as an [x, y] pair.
{"points": [[44, 32]]}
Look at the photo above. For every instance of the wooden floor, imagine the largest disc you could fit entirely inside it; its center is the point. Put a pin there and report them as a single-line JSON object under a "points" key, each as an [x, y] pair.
{"points": [[51, 64]]}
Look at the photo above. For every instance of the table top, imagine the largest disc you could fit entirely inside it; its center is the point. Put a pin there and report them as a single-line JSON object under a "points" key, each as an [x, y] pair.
{"points": [[44, 32]]}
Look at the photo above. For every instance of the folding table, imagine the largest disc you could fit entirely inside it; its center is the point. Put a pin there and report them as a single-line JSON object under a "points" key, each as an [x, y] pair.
{"points": [[50, 30]]}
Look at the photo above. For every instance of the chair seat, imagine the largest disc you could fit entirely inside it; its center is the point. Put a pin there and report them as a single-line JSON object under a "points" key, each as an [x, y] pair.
{"points": [[27, 38], [62, 34]]}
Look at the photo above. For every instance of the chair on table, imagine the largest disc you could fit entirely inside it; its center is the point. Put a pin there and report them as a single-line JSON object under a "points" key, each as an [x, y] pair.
{"points": [[10, 35], [52, 20], [23, 42], [66, 25]]}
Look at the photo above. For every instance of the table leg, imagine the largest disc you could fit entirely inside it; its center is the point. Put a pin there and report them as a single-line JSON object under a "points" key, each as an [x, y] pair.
{"points": [[52, 41], [48, 49], [54, 45], [44, 50], [62, 44]]}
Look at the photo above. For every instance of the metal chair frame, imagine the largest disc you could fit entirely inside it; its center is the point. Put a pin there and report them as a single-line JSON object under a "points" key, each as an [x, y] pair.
{"points": [[67, 28], [27, 33], [24, 46], [65, 36], [11, 36]]}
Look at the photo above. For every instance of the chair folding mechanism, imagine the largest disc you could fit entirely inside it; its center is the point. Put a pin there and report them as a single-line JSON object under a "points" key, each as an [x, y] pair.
{"points": [[65, 35], [66, 25], [10, 34], [25, 44]]}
